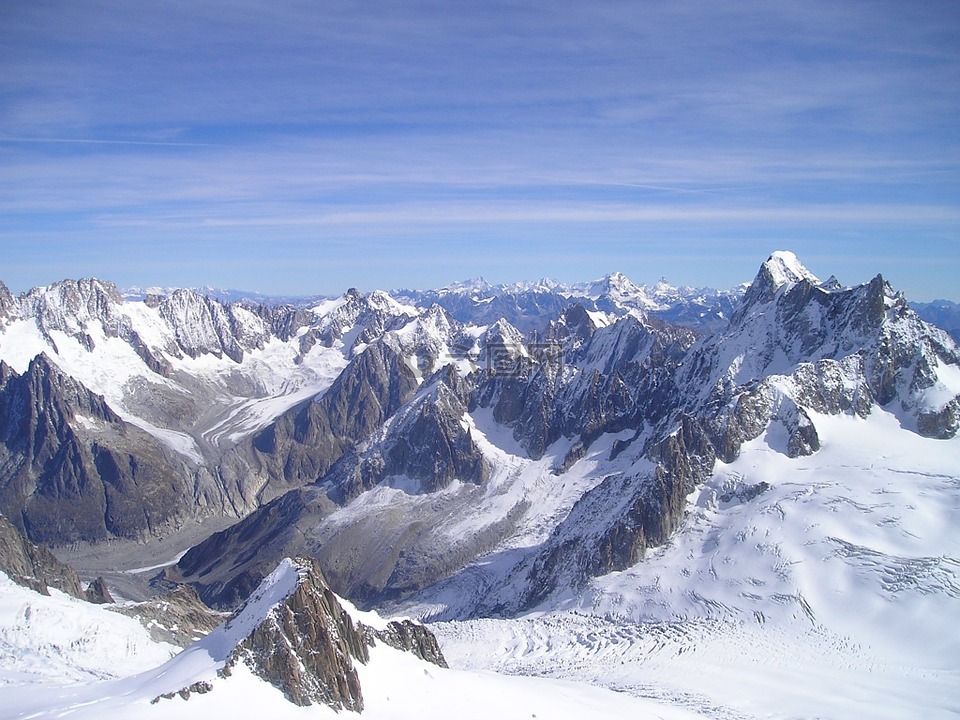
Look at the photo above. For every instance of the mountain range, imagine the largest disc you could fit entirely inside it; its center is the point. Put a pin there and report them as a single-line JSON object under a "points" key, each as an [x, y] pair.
{"points": [[475, 453]]}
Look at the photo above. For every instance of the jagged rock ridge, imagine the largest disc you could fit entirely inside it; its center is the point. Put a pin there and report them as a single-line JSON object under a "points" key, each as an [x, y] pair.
{"points": [[674, 403], [563, 448], [294, 633]]}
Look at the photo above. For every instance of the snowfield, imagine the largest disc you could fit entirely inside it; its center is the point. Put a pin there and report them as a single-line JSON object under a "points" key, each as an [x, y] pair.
{"points": [[65, 658], [832, 593], [825, 586]]}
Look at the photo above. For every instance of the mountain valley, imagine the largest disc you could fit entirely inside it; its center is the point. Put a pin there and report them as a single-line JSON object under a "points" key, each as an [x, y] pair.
{"points": [[680, 501]]}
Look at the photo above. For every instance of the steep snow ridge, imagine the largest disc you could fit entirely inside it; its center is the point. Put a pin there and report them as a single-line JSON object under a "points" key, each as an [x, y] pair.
{"points": [[615, 291], [785, 268], [198, 663], [433, 339], [945, 388]]}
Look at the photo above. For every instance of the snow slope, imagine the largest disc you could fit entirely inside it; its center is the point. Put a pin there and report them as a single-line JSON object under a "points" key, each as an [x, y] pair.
{"points": [[833, 591], [57, 639], [395, 684]]}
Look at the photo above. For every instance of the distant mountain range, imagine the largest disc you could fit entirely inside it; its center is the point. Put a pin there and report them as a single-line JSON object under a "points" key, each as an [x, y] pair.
{"points": [[480, 451], [688, 306]]}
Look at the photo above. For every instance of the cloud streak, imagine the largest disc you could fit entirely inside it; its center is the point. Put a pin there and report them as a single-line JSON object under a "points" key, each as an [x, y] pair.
{"points": [[378, 121]]}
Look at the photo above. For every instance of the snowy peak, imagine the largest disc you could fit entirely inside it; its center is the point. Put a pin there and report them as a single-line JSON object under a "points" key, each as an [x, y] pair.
{"points": [[615, 284], [785, 267], [781, 269]]}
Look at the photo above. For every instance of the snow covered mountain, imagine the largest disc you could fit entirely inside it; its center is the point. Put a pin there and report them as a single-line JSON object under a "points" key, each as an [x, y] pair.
{"points": [[649, 489], [575, 454], [111, 402], [531, 306], [293, 648], [200, 377]]}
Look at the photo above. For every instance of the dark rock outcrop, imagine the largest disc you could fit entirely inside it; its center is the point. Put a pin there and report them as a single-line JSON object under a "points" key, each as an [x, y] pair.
{"points": [[178, 617], [307, 645], [304, 443], [411, 637], [294, 633], [34, 566], [72, 470], [98, 593], [230, 564]]}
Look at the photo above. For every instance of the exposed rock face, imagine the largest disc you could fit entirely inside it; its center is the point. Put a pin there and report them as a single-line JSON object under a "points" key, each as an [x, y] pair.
{"points": [[586, 381], [613, 525], [294, 633], [303, 444], [424, 442], [34, 566], [411, 637], [178, 617], [229, 565], [306, 646], [98, 593], [205, 326], [73, 470]]}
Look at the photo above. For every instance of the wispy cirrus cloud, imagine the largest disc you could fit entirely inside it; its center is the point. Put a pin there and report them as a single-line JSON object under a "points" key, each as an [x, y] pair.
{"points": [[390, 123]]}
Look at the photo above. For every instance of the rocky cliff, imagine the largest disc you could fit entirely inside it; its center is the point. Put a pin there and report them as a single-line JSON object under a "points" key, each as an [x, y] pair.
{"points": [[74, 470], [294, 633], [35, 567]]}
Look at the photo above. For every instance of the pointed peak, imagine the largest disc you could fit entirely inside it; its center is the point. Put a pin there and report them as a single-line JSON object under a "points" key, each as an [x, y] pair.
{"points": [[784, 267], [781, 269], [831, 284], [618, 280]]}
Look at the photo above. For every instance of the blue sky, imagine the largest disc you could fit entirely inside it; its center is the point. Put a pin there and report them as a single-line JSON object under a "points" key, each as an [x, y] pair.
{"points": [[306, 147]]}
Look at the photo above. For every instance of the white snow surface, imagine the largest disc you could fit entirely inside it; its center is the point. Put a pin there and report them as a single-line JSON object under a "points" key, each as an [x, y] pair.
{"points": [[834, 593], [785, 268], [57, 640], [394, 684]]}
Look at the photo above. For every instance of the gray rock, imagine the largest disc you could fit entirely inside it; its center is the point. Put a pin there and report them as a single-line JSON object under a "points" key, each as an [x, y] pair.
{"points": [[178, 617], [411, 637], [307, 645], [34, 566], [98, 593]]}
